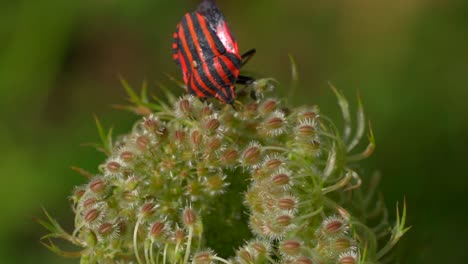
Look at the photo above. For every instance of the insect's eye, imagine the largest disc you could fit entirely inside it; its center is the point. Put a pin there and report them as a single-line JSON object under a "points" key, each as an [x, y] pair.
{"points": [[194, 64]]}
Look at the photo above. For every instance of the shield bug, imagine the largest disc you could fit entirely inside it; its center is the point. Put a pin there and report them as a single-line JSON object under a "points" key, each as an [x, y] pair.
{"points": [[208, 55]]}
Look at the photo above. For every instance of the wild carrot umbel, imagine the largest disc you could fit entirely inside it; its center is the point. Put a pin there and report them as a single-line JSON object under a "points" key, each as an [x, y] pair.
{"points": [[192, 180]]}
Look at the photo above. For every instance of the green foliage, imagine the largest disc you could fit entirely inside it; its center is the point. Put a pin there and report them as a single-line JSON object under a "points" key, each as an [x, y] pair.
{"points": [[192, 181]]}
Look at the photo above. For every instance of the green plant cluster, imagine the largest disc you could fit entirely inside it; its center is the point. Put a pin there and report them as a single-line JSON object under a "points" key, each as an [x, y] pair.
{"points": [[193, 180]]}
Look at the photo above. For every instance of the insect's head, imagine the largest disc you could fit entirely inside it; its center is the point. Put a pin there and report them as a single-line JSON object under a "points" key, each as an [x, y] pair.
{"points": [[227, 95]]}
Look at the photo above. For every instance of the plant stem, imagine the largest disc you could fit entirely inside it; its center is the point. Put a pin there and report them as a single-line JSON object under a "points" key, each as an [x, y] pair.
{"points": [[189, 244], [135, 236]]}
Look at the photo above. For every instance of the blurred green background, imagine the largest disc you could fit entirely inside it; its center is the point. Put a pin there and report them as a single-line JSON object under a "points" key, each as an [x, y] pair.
{"points": [[59, 62]]}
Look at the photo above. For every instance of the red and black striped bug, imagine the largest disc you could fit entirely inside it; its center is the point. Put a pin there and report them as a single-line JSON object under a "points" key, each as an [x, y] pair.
{"points": [[207, 54]]}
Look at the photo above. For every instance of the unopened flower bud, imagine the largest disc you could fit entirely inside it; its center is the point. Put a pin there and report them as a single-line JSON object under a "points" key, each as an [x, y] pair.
{"points": [[189, 216], [147, 209], [251, 107], [126, 156], [179, 235], [284, 220], [245, 256], [287, 203], [78, 194], [274, 123], [306, 130], [92, 215], [308, 115], [259, 247], [281, 179], [157, 229], [106, 228], [334, 225], [88, 202], [214, 144], [229, 156], [349, 257], [180, 135], [184, 106], [252, 155], [113, 166], [304, 260], [196, 137], [206, 111], [342, 244], [273, 163], [290, 247], [203, 257], [151, 124], [142, 142], [268, 106], [97, 185], [212, 124]]}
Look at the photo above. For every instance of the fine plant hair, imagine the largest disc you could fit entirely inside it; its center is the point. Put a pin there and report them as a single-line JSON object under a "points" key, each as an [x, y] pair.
{"points": [[204, 182]]}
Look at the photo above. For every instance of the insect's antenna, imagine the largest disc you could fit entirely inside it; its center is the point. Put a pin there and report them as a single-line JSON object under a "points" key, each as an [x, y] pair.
{"points": [[247, 56]]}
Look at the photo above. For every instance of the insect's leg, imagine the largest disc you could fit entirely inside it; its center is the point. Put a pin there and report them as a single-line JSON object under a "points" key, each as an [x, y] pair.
{"points": [[253, 95], [246, 80], [247, 56]]}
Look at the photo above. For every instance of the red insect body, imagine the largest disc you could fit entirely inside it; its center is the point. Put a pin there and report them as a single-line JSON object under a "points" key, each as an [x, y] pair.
{"points": [[224, 34], [207, 53]]}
